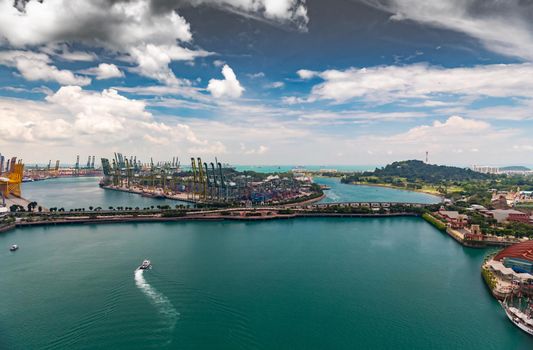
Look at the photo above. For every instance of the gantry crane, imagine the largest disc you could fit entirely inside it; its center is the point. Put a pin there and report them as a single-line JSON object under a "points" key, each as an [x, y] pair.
{"points": [[10, 181]]}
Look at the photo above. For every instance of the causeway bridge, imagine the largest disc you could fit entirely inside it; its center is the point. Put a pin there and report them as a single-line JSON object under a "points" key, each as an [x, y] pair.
{"points": [[313, 206], [361, 204]]}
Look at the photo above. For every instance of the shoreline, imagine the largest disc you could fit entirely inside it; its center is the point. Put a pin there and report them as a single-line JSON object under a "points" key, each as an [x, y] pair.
{"points": [[182, 197], [441, 197], [306, 202], [175, 197]]}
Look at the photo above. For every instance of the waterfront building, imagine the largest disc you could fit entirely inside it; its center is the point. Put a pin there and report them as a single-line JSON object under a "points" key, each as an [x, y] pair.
{"points": [[512, 269], [510, 215], [518, 257], [474, 234], [453, 218]]}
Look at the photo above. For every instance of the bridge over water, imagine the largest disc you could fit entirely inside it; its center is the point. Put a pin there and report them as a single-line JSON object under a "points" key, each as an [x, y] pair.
{"points": [[305, 207], [362, 204]]}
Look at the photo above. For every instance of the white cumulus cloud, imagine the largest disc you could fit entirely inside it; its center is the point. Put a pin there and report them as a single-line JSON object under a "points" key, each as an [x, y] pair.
{"points": [[292, 12], [227, 87], [150, 39], [104, 71], [37, 66], [96, 122], [421, 81]]}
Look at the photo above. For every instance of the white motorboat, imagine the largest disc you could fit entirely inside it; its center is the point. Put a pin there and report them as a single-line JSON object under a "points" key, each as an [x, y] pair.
{"points": [[145, 265]]}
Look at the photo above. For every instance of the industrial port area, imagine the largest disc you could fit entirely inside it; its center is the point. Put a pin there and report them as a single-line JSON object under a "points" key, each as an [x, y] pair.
{"points": [[205, 183], [210, 184]]}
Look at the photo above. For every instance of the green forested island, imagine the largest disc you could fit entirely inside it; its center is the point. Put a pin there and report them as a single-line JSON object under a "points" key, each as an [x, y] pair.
{"points": [[415, 174], [452, 182], [416, 170]]}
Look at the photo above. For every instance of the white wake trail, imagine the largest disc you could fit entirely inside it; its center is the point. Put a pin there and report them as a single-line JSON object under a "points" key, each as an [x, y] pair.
{"points": [[161, 302]]}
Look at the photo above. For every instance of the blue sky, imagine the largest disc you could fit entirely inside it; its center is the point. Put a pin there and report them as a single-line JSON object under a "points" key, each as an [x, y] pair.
{"points": [[268, 81]]}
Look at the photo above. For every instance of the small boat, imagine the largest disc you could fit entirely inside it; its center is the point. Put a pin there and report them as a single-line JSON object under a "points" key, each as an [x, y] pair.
{"points": [[14, 247], [520, 319], [145, 265]]}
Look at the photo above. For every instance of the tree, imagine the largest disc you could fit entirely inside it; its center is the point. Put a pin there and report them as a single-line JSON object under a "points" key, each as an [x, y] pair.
{"points": [[32, 206]]}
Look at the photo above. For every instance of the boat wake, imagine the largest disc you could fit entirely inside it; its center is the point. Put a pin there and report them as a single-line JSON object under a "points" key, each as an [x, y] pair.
{"points": [[331, 195], [161, 302]]}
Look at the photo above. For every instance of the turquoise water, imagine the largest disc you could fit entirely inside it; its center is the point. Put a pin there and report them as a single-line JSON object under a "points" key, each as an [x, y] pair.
{"points": [[286, 168], [340, 192], [83, 192], [394, 283]]}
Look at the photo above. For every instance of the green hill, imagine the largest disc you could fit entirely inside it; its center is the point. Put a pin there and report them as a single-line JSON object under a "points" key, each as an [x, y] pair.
{"points": [[416, 171]]}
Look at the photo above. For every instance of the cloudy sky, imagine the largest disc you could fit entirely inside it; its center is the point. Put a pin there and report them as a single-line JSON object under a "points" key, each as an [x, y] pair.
{"points": [[268, 81]]}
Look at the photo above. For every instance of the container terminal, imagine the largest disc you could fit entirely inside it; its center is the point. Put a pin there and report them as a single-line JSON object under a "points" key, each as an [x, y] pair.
{"points": [[39, 172], [205, 183]]}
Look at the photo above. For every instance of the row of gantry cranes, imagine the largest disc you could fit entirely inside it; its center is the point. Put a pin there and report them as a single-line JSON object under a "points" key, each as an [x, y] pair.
{"points": [[202, 182], [37, 172]]}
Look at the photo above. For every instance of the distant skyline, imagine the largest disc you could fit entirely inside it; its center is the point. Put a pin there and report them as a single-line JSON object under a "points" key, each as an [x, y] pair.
{"points": [[338, 82]]}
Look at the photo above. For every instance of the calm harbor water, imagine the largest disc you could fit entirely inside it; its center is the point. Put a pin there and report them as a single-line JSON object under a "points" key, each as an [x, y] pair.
{"points": [[394, 283], [83, 192], [340, 192]]}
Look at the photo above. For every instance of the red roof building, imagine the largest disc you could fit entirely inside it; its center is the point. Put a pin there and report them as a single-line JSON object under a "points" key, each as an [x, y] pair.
{"points": [[522, 251]]}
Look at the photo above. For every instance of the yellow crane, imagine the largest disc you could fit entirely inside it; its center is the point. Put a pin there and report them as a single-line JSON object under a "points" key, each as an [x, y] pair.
{"points": [[203, 193], [10, 182]]}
